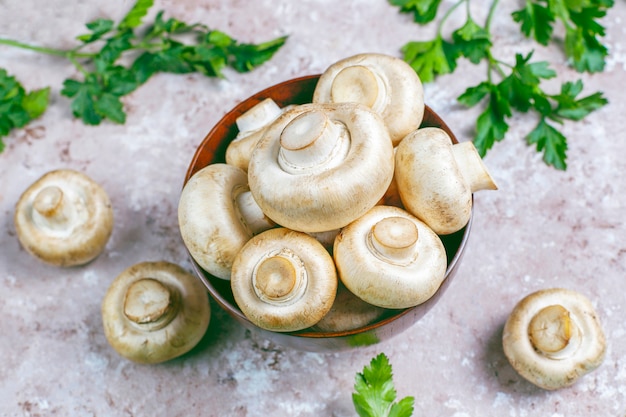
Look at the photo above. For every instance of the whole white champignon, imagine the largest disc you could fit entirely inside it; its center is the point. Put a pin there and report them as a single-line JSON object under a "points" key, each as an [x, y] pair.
{"points": [[436, 178], [386, 84], [154, 312], [553, 337], [390, 259], [217, 216], [64, 218], [251, 125], [320, 166], [284, 280]]}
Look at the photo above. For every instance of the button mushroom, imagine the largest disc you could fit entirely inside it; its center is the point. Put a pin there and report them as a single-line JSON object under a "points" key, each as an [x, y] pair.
{"points": [[217, 216], [386, 84], [251, 125], [436, 178], [390, 259], [154, 312], [320, 166], [64, 218], [553, 337], [284, 280]]}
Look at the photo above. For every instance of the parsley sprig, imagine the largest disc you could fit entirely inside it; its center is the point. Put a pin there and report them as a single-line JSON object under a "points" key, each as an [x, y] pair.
{"points": [[375, 394], [17, 106], [130, 53], [516, 86]]}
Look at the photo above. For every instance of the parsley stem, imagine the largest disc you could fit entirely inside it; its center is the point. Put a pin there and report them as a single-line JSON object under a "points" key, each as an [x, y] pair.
{"points": [[492, 12], [447, 15], [49, 51]]}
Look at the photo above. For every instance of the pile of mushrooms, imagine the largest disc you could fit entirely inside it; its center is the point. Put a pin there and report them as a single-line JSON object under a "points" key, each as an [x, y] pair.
{"points": [[345, 194]]}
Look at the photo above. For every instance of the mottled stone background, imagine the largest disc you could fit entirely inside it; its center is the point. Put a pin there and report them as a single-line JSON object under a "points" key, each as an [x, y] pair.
{"points": [[543, 228]]}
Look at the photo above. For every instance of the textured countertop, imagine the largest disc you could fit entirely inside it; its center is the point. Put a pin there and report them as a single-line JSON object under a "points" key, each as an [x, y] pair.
{"points": [[542, 228]]}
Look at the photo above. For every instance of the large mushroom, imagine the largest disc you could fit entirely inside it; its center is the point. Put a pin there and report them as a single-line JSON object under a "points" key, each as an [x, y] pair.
{"points": [[320, 166], [436, 178], [386, 84], [217, 216], [251, 125], [64, 218], [390, 259], [284, 280], [553, 337], [154, 312]]}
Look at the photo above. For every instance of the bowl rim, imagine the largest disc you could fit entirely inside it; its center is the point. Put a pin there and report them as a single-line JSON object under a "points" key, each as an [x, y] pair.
{"points": [[309, 333]]}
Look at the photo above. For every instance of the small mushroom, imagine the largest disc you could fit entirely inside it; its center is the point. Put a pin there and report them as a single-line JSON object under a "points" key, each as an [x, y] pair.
{"points": [[154, 312], [386, 84], [320, 166], [64, 218], [251, 125], [436, 178], [348, 312], [390, 259], [553, 337], [284, 280], [217, 216]]}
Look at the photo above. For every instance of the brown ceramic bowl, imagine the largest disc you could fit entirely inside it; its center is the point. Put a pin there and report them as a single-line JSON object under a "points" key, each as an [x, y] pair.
{"points": [[213, 149]]}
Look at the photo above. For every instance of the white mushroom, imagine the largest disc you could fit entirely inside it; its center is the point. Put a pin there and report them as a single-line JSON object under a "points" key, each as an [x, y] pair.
{"points": [[284, 280], [390, 259], [217, 216], [251, 125], [386, 84], [64, 218], [154, 312], [553, 337], [436, 178], [348, 312], [320, 166]]}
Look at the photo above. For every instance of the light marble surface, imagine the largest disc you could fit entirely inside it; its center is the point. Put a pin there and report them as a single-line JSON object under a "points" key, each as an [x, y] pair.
{"points": [[543, 228]]}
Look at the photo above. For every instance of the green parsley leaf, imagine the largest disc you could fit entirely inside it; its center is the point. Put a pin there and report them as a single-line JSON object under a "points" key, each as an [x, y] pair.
{"points": [[135, 15], [423, 11], [491, 125], [430, 58], [472, 41], [551, 142], [536, 21], [375, 393], [98, 28], [568, 107], [17, 106]]}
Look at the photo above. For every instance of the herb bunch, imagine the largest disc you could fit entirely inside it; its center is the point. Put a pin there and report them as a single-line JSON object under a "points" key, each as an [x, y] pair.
{"points": [[516, 86], [130, 53], [374, 392]]}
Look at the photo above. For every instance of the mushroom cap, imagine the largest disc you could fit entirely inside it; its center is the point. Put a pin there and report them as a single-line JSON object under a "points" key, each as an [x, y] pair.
{"points": [[211, 224], [581, 352], [284, 280], [348, 312], [382, 82], [390, 259], [155, 311], [430, 183], [320, 166], [64, 218], [252, 125]]}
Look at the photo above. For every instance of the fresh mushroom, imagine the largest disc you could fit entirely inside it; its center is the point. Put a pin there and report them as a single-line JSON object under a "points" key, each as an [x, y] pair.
{"points": [[154, 312], [553, 337], [217, 216], [436, 178], [348, 312], [284, 280], [251, 125], [64, 218], [386, 84], [320, 166], [390, 259]]}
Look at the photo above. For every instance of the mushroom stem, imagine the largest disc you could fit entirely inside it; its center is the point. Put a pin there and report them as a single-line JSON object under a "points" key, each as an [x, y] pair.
{"points": [[472, 167], [280, 277], [394, 239], [258, 116], [252, 214], [150, 304], [553, 333], [51, 209], [311, 141], [360, 85]]}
